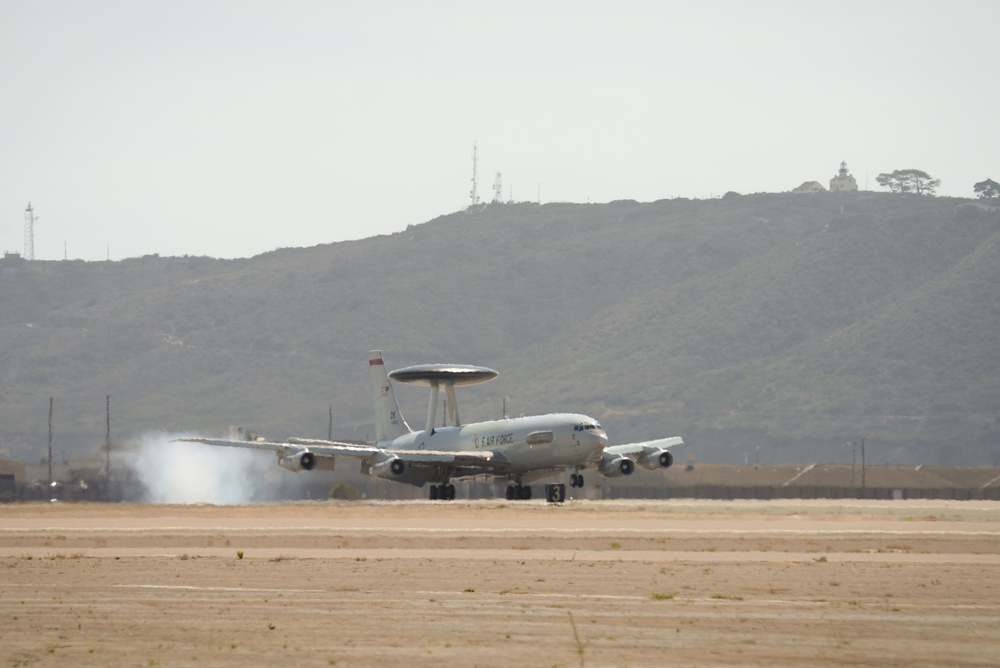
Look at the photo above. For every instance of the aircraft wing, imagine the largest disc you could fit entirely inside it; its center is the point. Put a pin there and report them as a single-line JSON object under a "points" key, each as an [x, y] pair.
{"points": [[299, 454], [644, 448], [480, 459], [619, 460], [321, 448]]}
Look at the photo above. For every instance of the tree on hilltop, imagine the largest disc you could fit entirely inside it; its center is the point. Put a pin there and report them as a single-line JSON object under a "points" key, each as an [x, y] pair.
{"points": [[908, 181], [987, 189]]}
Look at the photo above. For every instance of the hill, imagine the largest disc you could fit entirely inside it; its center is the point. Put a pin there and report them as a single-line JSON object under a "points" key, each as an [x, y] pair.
{"points": [[774, 326]]}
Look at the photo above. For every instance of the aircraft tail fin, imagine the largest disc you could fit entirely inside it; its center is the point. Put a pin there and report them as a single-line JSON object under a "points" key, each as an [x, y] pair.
{"points": [[389, 423]]}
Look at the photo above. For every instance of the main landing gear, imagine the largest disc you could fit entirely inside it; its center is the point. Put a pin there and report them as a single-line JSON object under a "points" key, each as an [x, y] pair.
{"points": [[442, 492], [518, 492], [554, 493]]}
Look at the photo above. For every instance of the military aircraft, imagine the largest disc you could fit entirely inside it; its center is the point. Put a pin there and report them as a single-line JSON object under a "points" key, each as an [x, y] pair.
{"points": [[519, 449]]}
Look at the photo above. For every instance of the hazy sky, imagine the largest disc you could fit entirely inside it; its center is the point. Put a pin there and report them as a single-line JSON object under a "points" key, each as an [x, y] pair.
{"points": [[231, 128]]}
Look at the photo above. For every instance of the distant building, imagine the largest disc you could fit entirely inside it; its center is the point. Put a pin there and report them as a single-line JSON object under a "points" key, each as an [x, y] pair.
{"points": [[10, 262], [843, 182], [810, 187]]}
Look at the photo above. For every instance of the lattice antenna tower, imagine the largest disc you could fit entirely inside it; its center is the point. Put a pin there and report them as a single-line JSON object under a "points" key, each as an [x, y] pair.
{"points": [[498, 188], [474, 194], [29, 233]]}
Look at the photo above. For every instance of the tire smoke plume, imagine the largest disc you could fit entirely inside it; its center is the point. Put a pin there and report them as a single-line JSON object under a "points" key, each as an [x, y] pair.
{"points": [[177, 472]]}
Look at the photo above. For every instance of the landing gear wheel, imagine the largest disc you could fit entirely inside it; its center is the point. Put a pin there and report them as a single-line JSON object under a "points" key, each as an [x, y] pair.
{"points": [[518, 492], [576, 480], [442, 492]]}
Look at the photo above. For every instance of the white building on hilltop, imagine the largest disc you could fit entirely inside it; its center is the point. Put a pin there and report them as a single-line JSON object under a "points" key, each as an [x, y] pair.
{"points": [[810, 187], [843, 182]]}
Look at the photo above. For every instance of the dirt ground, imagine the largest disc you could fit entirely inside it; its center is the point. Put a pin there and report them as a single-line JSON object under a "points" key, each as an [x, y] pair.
{"points": [[494, 583]]}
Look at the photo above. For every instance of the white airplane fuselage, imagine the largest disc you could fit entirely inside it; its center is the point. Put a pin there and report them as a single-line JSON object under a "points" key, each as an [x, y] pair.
{"points": [[526, 443]]}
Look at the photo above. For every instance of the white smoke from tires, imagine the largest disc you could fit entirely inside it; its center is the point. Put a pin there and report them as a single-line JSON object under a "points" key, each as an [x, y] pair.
{"points": [[177, 472]]}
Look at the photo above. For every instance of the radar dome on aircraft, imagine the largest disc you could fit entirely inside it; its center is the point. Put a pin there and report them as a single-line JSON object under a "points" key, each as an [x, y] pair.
{"points": [[448, 375], [430, 375]]}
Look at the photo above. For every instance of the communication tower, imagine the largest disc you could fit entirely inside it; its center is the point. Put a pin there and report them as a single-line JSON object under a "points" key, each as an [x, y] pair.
{"points": [[474, 194], [498, 188], [29, 233]]}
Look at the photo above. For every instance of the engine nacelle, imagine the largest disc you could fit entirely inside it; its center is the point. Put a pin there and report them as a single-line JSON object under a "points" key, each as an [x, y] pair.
{"points": [[658, 459], [300, 461], [617, 466], [390, 467]]}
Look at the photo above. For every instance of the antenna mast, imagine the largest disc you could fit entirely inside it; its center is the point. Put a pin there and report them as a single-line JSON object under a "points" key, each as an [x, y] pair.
{"points": [[29, 233], [498, 189], [474, 194]]}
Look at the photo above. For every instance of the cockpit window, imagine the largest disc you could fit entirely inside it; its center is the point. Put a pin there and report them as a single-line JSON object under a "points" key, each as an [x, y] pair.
{"points": [[587, 427]]}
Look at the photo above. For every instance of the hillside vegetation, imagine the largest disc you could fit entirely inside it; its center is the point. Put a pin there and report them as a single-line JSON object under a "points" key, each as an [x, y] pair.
{"points": [[771, 327]]}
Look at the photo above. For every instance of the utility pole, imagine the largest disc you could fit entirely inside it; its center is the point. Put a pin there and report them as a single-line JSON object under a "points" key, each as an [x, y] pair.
{"points": [[50, 445], [863, 462], [329, 427], [854, 461], [853, 445], [107, 437]]}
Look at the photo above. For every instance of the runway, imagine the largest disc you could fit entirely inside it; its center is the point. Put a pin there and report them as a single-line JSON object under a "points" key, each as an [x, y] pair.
{"points": [[498, 583]]}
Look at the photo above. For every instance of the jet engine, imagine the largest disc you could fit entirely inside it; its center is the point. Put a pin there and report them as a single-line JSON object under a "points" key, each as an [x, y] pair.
{"points": [[390, 467], [300, 461], [657, 459], [617, 466]]}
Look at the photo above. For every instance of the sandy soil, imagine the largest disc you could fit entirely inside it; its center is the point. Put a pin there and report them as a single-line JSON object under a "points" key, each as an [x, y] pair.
{"points": [[794, 583]]}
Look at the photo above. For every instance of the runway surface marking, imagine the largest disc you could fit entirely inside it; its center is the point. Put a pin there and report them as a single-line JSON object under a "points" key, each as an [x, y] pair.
{"points": [[229, 589], [507, 554], [533, 532]]}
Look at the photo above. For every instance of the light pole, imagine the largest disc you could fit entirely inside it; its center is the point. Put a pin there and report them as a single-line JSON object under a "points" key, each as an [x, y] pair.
{"points": [[853, 445], [868, 435]]}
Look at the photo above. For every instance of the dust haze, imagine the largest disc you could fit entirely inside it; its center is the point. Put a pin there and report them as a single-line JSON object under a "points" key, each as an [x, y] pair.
{"points": [[176, 472]]}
